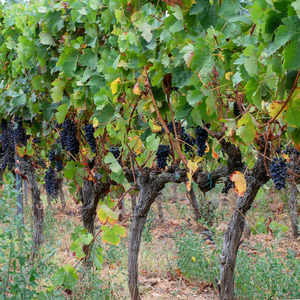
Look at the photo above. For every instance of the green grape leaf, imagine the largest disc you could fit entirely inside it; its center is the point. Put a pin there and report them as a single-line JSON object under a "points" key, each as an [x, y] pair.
{"points": [[70, 169], [19, 100], [77, 248], [98, 258], [152, 142], [292, 55], [58, 89], [61, 114], [146, 30], [112, 235], [68, 61], [246, 129], [295, 135], [46, 39], [89, 58], [293, 111], [251, 60]]}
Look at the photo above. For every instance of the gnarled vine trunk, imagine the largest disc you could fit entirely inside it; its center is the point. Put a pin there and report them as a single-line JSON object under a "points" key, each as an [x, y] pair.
{"points": [[192, 197], [133, 202], [90, 194], [233, 234], [149, 184], [27, 169], [293, 208]]}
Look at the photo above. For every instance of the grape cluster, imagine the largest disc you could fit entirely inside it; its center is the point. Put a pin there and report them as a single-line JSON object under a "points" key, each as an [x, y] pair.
{"points": [[12, 148], [278, 172], [68, 138], [278, 150], [227, 185], [41, 162], [63, 138], [189, 141], [116, 153], [201, 138], [59, 164], [20, 132], [236, 110], [89, 134], [162, 154], [291, 150], [52, 155], [50, 182]]}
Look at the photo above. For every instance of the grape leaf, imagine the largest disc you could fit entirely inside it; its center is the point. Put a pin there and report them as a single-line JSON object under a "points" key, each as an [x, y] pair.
{"points": [[240, 183], [68, 61], [98, 258], [58, 89], [46, 39], [293, 111], [105, 212], [246, 129], [61, 114], [112, 235]]}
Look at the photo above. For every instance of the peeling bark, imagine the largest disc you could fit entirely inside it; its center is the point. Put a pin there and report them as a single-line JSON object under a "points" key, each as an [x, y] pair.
{"points": [[90, 194], [233, 234], [195, 204], [293, 209], [149, 183], [133, 202], [27, 169]]}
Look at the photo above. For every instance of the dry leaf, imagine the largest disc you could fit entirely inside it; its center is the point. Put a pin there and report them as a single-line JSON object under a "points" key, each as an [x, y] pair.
{"points": [[136, 89], [240, 182]]}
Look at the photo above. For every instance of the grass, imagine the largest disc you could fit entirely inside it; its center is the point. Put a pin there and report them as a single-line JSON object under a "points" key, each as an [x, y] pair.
{"points": [[174, 254]]}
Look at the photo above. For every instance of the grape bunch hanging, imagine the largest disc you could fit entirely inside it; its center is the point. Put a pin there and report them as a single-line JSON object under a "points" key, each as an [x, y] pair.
{"points": [[201, 138], [278, 172], [89, 134], [68, 137], [20, 132], [162, 154], [7, 144], [58, 162], [50, 183], [236, 110], [227, 185], [116, 153]]}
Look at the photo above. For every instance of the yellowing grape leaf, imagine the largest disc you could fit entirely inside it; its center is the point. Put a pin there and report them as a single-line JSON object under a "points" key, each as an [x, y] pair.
{"points": [[115, 85], [214, 153], [193, 166], [227, 75], [112, 235], [136, 89], [193, 259], [136, 144], [95, 122], [156, 128], [273, 109], [286, 157], [21, 151], [104, 213], [240, 182], [207, 148]]}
